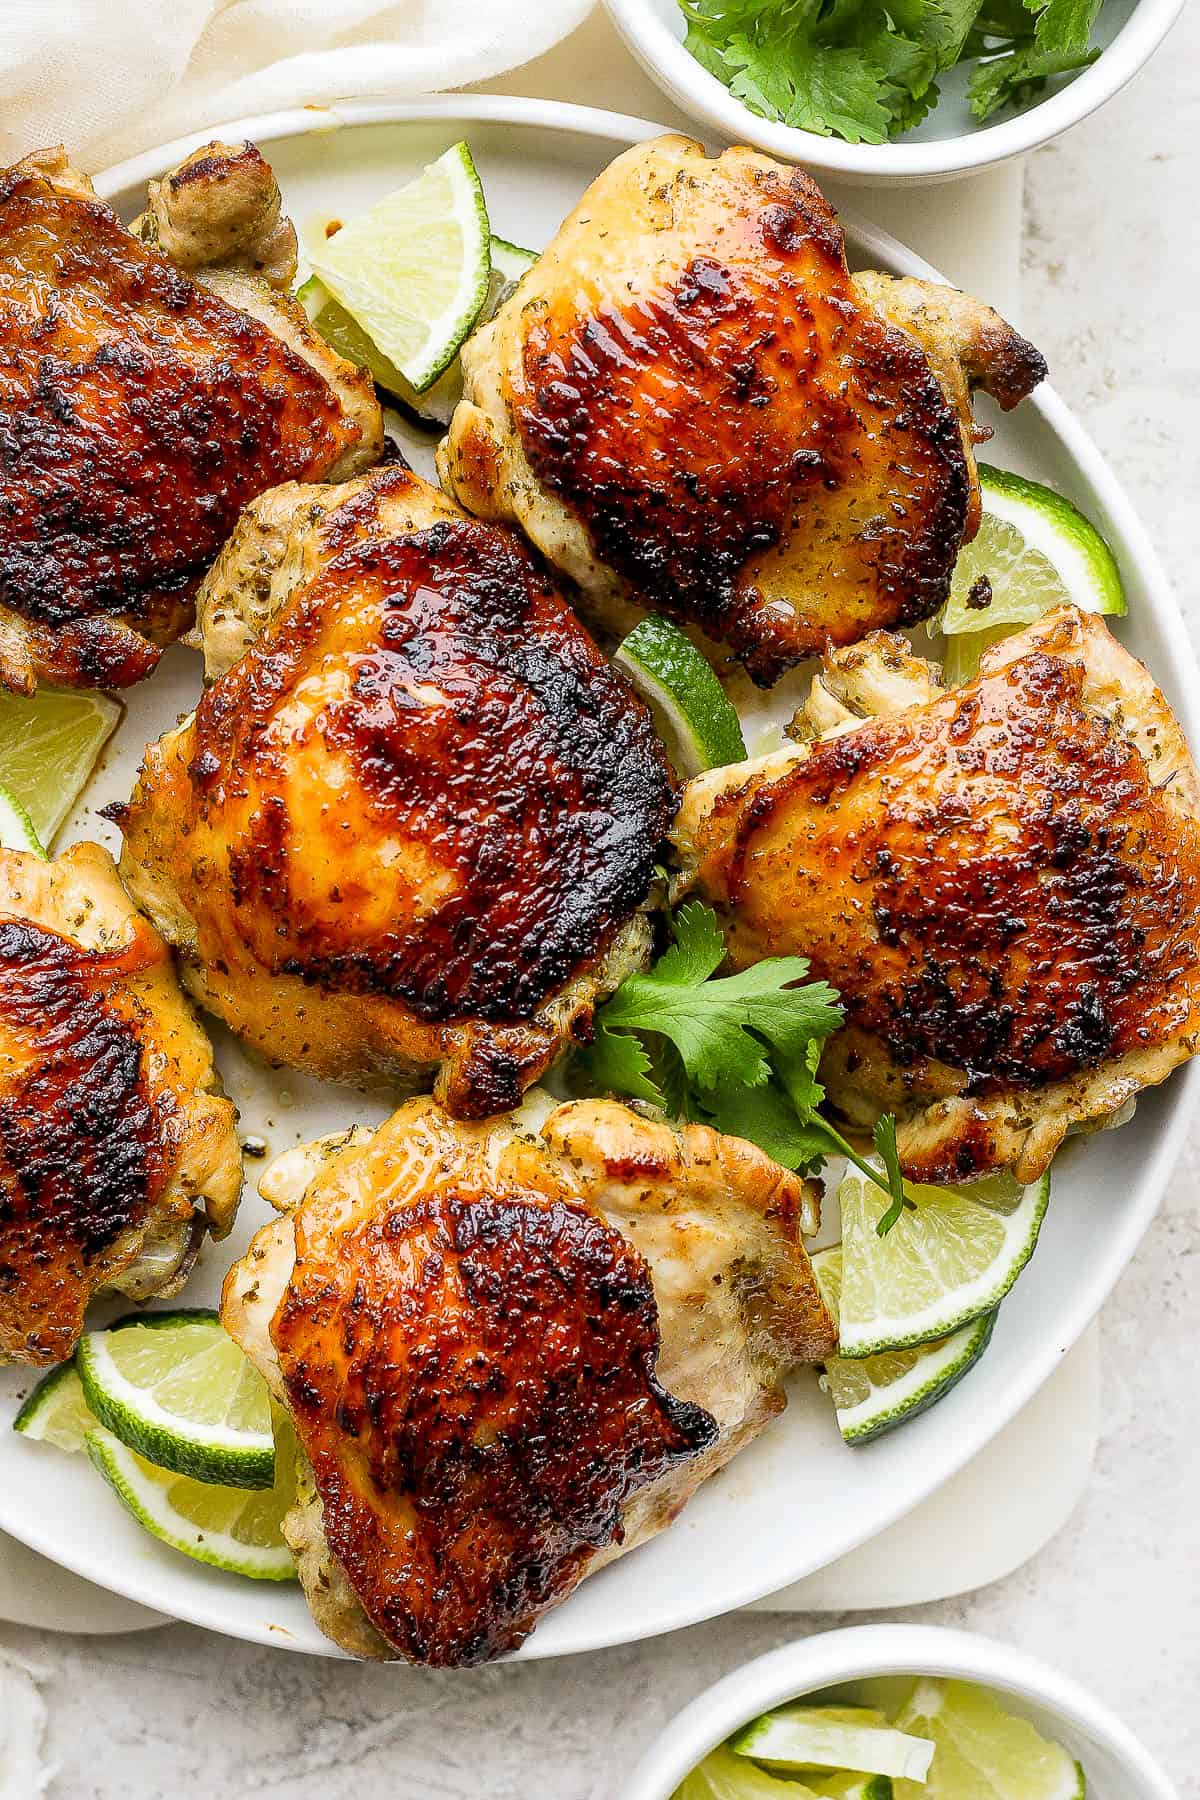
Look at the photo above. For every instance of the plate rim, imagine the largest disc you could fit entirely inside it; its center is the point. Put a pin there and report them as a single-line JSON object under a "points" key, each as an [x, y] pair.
{"points": [[138, 1583]]}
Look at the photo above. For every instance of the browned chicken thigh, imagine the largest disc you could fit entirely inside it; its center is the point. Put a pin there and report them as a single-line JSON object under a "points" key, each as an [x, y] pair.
{"points": [[141, 407], [689, 404], [1002, 881], [411, 830], [113, 1134], [511, 1355]]}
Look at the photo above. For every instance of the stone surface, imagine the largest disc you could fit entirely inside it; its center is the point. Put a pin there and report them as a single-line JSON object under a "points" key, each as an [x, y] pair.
{"points": [[1111, 271]]}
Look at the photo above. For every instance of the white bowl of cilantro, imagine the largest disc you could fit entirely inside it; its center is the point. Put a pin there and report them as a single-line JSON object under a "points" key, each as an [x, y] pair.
{"points": [[919, 90], [880, 1711]]}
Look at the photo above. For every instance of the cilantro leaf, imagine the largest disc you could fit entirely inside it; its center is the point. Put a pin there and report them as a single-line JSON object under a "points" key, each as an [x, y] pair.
{"points": [[741, 1051], [766, 1117], [617, 1061], [1017, 76]]}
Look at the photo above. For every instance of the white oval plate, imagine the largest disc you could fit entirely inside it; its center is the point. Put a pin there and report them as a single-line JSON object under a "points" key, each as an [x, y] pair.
{"points": [[798, 1498]]}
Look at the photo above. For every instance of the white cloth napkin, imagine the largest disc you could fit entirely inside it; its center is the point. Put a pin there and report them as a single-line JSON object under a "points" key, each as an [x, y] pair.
{"points": [[111, 77]]}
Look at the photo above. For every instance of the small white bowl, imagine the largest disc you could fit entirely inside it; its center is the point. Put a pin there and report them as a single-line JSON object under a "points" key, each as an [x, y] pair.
{"points": [[946, 144], [1116, 1765]]}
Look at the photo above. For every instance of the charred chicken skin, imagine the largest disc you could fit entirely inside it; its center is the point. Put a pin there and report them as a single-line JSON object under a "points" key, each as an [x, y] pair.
{"points": [[112, 1131], [410, 830], [690, 404], [1002, 881], [150, 385], [510, 1356]]}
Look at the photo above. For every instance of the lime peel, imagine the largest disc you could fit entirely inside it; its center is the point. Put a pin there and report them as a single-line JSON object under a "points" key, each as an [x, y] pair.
{"points": [[16, 828]]}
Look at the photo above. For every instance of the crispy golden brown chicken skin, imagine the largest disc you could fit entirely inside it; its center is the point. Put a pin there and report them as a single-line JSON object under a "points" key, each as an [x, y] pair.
{"points": [[689, 404], [112, 1133], [511, 1355], [141, 407], [1002, 881], [411, 829]]}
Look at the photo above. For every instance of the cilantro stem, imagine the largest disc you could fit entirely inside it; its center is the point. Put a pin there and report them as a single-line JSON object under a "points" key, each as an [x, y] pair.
{"points": [[892, 1215]]}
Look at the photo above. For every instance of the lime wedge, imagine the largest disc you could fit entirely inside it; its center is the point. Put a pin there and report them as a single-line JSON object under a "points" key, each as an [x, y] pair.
{"points": [[435, 407], [983, 1752], [48, 747], [225, 1526], [56, 1412], [854, 1787], [874, 1394], [724, 1776], [177, 1389], [833, 1737], [16, 827], [414, 269], [941, 1266], [1034, 550], [693, 714]]}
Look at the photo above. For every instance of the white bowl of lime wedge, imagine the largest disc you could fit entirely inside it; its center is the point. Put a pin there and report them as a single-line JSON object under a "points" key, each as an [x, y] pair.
{"points": [[884, 1694]]}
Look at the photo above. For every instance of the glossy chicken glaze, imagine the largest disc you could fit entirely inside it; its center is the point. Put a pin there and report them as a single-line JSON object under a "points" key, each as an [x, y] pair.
{"points": [[138, 414], [421, 790], [690, 404], [470, 1361], [1004, 881], [102, 1101]]}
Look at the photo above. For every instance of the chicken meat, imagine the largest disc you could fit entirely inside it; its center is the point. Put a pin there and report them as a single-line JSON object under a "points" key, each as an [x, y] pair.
{"points": [[689, 404], [117, 1149], [1001, 880], [411, 829], [512, 1354], [151, 383]]}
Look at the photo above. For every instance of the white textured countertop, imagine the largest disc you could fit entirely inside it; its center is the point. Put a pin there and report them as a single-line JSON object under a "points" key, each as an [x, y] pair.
{"points": [[1111, 273]]}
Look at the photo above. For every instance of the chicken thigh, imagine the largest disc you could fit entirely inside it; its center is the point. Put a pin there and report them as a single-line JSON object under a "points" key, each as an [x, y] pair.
{"points": [[113, 1132], [689, 404], [410, 830], [1002, 881], [513, 1355], [151, 383]]}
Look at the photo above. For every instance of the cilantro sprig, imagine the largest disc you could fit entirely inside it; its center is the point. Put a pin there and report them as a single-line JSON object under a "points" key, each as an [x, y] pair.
{"points": [[736, 1051], [866, 70]]}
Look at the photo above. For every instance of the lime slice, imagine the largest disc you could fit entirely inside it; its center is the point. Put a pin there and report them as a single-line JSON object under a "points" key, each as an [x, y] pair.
{"points": [[941, 1266], [983, 1752], [16, 827], [56, 1412], [874, 1394], [48, 748], [1034, 550], [435, 407], [414, 269], [834, 1737], [693, 714], [177, 1389], [225, 1526]]}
